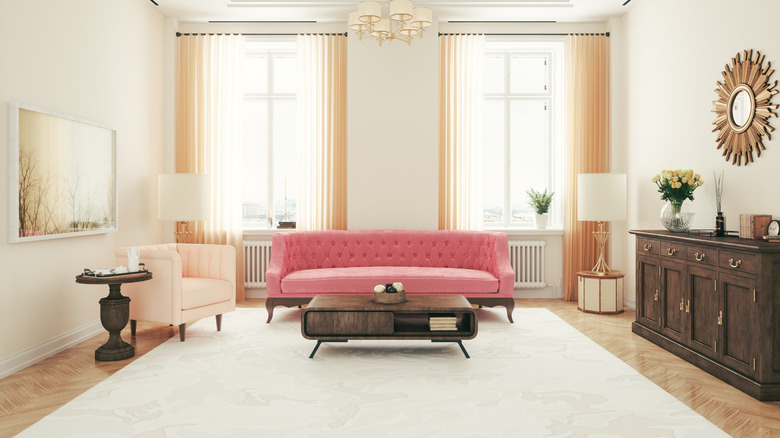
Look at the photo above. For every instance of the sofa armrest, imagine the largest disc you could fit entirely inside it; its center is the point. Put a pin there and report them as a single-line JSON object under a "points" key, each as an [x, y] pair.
{"points": [[277, 268], [163, 292], [505, 273]]}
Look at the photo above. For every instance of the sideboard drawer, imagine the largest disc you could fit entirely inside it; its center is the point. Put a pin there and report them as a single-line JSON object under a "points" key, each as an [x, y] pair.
{"points": [[647, 246], [734, 261], [702, 255], [673, 250], [346, 323]]}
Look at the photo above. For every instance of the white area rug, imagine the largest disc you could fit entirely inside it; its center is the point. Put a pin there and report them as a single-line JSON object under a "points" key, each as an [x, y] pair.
{"points": [[537, 377]]}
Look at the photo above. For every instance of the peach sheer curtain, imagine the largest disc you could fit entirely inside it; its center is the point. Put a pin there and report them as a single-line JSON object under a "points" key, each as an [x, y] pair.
{"points": [[322, 133], [461, 64], [208, 134], [587, 96]]}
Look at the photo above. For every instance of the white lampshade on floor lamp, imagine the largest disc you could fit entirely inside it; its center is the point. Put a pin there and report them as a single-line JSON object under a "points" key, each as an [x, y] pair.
{"points": [[182, 197], [601, 197]]}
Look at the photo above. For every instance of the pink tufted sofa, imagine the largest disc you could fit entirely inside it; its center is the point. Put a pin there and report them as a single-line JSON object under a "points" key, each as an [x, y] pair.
{"points": [[474, 264]]}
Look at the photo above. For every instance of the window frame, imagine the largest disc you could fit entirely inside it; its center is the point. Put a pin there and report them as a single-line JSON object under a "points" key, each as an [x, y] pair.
{"points": [[270, 48], [554, 99]]}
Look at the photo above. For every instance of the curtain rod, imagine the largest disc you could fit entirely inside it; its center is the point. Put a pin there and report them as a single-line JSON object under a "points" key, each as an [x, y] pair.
{"points": [[528, 34], [178, 34]]}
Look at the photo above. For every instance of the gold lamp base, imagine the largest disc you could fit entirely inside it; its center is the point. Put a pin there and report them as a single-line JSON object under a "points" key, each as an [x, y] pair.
{"points": [[182, 236], [601, 267]]}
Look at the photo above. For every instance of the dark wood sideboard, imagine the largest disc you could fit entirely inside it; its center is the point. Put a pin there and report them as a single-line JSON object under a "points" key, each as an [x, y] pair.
{"points": [[715, 302]]}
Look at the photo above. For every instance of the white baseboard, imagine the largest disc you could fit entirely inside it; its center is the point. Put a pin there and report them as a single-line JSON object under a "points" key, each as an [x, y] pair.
{"points": [[549, 291], [255, 292], [629, 301], [32, 355]]}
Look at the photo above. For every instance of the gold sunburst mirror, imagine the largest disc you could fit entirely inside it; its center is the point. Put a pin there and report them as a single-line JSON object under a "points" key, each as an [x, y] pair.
{"points": [[743, 107]]}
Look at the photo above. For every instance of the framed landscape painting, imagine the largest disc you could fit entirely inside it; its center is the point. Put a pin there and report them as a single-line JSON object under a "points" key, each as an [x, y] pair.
{"points": [[62, 176]]}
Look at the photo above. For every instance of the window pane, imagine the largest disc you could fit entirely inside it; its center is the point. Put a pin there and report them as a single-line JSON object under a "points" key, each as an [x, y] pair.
{"points": [[256, 74], [529, 155], [285, 79], [494, 74], [285, 160], [255, 163], [493, 169], [528, 74]]}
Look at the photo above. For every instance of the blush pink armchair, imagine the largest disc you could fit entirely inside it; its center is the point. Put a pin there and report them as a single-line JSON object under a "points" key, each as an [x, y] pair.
{"points": [[190, 281]]}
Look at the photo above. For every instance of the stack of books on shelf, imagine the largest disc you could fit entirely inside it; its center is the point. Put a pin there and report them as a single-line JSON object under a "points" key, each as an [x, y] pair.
{"points": [[753, 226], [442, 322]]}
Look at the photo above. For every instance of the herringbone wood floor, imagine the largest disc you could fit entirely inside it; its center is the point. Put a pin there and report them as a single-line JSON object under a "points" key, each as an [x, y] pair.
{"points": [[36, 391]]}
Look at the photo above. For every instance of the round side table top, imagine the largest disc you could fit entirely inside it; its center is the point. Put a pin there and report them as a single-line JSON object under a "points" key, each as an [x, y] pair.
{"points": [[130, 277], [591, 274]]}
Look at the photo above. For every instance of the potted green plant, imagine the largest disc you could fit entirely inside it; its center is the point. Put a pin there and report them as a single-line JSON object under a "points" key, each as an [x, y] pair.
{"points": [[540, 202]]}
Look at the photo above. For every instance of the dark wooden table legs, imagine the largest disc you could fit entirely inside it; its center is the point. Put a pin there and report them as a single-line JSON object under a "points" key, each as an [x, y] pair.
{"points": [[114, 314]]}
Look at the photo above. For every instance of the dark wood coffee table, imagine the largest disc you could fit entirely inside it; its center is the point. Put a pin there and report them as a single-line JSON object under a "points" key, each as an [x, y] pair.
{"points": [[339, 318]]}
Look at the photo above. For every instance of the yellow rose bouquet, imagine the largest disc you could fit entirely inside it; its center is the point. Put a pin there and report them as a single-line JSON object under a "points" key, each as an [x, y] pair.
{"points": [[676, 186]]}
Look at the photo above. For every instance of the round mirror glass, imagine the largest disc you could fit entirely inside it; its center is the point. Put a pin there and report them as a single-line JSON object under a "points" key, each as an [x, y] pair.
{"points": [[741, 108]]}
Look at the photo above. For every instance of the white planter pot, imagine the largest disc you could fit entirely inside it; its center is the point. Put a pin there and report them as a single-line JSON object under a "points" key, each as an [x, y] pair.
{"points": [[541, 221]]}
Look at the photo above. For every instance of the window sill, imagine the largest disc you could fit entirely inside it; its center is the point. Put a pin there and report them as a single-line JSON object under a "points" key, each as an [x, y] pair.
{"points": [[528, 231], [264, 232]]}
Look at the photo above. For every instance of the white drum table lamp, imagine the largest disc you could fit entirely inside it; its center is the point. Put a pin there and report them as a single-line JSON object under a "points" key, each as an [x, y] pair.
{"points": [[182, 197], [601, 197]]}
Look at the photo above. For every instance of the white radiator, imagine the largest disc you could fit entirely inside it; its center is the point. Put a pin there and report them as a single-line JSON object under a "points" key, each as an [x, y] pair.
{"points": [[525, 256], [527, 259], [257, 256]]}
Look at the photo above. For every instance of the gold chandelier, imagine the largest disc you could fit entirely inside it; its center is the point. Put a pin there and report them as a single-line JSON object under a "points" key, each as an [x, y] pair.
{"points": [[404, 22]]}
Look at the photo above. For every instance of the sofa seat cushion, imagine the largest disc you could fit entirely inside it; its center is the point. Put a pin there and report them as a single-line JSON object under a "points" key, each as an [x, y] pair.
{"points": [[415, 279], [197, 292]]}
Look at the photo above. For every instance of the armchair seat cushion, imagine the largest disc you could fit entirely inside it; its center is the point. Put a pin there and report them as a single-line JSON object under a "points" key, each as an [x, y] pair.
{"points": [[418, 280], [197, 292]]}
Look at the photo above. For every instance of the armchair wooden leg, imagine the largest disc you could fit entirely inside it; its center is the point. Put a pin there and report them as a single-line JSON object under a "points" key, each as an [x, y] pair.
{"points": [[219, 322], [182, 331], [132, 327], [510, 306], [269, 307]]}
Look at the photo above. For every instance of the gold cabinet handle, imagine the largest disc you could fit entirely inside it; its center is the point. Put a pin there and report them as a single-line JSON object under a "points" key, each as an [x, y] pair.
{"points": [[700, 257], [682, 303], [671, 251], [736, 264], [656, 295], [720, 318], [688, 307], [648, 247]]}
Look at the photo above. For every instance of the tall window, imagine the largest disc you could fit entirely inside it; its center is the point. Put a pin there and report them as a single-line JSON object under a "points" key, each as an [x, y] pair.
{"points": [[270, 136], [522, 131]]}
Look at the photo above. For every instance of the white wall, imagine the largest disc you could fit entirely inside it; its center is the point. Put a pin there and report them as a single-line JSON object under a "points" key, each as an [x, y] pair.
{"points": [[675, 52], [99, 61], [393, 155]]}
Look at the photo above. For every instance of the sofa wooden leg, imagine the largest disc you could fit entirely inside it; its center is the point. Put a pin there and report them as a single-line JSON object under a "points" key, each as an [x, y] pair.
{"points": [[133, 324], [219, 322], [182, 331], [510, 307], [269, 307]]}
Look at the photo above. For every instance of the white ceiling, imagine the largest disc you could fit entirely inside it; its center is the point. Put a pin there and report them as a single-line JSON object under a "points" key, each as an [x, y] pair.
{"points": [[443, 10]]}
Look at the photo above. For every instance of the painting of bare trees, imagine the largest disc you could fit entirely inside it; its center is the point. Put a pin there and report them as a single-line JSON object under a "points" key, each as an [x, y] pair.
{"points": [[65, 173]]}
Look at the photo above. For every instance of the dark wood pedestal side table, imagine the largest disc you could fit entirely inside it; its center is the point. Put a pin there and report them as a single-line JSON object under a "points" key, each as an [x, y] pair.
{"points": [[114, 313]]}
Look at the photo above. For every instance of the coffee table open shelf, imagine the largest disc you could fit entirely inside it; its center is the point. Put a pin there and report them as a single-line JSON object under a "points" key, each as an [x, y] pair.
{"points": [[339, 318]]}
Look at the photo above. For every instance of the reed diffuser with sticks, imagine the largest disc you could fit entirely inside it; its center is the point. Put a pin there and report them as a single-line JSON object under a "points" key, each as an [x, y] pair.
{"points": [[720, 220]]}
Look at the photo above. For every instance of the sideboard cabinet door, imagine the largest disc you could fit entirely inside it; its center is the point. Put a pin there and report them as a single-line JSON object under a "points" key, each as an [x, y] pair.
{"points": [[648, 291], [737, 323], [702, 310]]}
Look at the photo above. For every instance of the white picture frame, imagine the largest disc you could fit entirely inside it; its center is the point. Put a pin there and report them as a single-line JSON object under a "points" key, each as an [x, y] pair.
{"points": [[62, 176]]}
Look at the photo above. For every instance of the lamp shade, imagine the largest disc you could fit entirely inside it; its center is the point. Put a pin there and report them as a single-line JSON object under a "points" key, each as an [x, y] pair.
{"points": [[182, 197], [601, 196]]}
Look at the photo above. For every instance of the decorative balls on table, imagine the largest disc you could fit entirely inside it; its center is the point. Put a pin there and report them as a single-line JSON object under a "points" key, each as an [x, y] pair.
{"points": [[389, 288]]}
